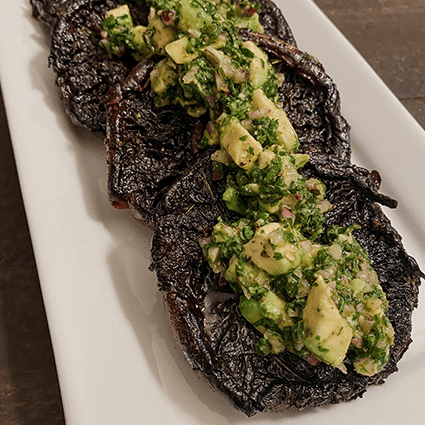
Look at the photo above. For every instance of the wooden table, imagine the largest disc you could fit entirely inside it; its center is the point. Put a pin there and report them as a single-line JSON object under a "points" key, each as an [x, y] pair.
{"points": [[390, 34]]}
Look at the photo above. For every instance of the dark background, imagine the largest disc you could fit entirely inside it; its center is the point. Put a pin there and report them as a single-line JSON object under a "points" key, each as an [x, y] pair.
{"points": [[390, 34]]}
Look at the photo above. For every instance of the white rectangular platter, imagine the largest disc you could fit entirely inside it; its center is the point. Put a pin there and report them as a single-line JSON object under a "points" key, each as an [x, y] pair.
{"points": [[117, 360]]}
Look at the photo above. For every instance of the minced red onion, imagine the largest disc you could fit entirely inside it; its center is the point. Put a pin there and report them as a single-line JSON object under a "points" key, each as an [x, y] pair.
{"points": [[168, 16], [259, 113]]}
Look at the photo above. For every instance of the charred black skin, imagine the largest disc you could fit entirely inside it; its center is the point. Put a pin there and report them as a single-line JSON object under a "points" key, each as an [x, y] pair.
{"points": [[48, 10], [84, 71], [217, 342], [147, 147], [274, 23]]}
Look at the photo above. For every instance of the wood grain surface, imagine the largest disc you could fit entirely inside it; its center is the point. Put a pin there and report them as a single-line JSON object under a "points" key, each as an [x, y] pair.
{"points": [[390, 34]]}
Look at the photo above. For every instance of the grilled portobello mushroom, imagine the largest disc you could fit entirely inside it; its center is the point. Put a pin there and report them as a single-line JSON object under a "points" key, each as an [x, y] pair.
{"points": [[48, 10], [217, 341]]}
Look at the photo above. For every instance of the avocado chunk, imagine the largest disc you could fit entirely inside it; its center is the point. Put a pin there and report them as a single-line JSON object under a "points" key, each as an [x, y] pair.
{"points": [[300, 159], [328, 335], [270, 250], [239, 144], [270, 306], [251, 309], [223, 232], [121, 11], [177, 50], [358, 286], [192, 16], [140, 42], [161, 34], [285, 133], [252, 22], [259, 66], [162, 77], [274, 307], [220, 155], [266, 158], [247, 275], [233, 200]]}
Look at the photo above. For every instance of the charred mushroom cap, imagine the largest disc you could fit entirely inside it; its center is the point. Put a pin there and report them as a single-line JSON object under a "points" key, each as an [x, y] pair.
{"points": [[48, 10], [217, 342], [147, 147]]}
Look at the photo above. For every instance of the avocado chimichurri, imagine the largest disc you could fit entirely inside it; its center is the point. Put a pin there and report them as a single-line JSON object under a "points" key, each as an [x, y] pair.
{"points": [[320, 301]]}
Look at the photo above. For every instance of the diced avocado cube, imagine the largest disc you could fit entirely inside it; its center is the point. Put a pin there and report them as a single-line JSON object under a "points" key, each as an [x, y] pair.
{"points": [[300, 159], [328, 335], [285, 134], [161, 34], [231, 275], [219, 59], [239, 144], [277, 257], [233, 201], [251, 309], [223, 232], [196, 111], [219, 155], [138, 31], [162, 77], [374, 305], [366, 366], [357, 285], [271, 307], [121, 11], [177, 50], [252, 23], [274, 307], [276, 342], [192, 16], [139, 41], [265, 158], [259, 66], [247, 275]]}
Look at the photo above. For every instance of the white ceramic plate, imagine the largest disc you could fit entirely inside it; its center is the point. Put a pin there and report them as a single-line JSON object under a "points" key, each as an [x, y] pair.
{"points": [[116, 357]]}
